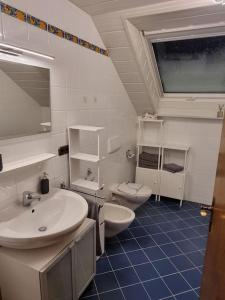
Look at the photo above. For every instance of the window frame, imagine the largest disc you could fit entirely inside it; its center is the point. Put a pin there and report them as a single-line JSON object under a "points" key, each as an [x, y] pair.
{"points": [[177, 35]]}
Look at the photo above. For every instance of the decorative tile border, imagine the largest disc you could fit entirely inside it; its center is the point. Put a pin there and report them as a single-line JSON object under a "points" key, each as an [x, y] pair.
{"points": [[22, 16]]}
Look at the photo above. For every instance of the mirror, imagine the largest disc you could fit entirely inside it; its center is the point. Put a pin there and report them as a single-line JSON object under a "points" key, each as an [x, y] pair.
{"points": [[24, 100]]}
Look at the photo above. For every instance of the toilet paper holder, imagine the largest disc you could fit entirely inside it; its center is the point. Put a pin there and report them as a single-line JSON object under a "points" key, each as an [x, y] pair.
{"points": [[130, 154]]}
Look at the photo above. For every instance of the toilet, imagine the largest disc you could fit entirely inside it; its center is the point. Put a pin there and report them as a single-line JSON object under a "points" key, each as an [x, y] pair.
{"points": [[117, 218], [130, 195]]}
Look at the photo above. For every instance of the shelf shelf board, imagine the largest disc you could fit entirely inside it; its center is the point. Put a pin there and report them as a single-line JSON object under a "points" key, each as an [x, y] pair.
{"points": [[86, 157], [176, 147], [165, 146], [86, 184], [14, 165], [151, 120], [149, 144], [86, 128]]}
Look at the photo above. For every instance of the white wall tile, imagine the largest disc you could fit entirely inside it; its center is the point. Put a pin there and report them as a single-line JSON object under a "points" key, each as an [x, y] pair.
{"points": [[85, 89]]}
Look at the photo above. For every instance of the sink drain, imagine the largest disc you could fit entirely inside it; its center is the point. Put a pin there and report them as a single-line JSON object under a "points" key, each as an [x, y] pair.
{"points": [[42, 228]]}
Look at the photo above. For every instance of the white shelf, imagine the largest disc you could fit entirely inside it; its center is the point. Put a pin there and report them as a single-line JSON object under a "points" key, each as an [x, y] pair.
{"points": [[86, 157], [176, 147], [86, 128], [149, 144], [86, 184], [14, 165], [151, 120], [165, 146]]}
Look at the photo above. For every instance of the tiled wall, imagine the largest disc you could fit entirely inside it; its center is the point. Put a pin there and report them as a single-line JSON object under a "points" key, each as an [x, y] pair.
{"points": [[203, 136], [44, 25], [85, 88]]}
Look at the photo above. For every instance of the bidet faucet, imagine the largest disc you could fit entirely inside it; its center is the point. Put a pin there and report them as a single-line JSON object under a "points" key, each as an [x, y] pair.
{"points": [[29, 197]]}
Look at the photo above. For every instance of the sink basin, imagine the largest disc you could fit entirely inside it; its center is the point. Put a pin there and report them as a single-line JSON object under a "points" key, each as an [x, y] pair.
{"points": [[45, 222]]}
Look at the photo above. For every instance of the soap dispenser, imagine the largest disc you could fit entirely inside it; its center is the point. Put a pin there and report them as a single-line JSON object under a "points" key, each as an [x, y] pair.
{"points": [[44, 184]]}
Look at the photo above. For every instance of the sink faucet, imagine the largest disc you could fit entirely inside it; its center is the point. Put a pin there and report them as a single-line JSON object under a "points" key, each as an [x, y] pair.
{"points": [[29, 197]]}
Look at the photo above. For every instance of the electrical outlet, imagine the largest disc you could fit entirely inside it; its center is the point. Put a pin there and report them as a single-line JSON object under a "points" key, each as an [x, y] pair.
{"points": [[63, 150]]}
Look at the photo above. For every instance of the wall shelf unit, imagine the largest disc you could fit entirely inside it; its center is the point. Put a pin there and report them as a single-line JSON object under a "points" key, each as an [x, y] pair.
{"points": [[153, 158], [14, 165], [76, 157]]}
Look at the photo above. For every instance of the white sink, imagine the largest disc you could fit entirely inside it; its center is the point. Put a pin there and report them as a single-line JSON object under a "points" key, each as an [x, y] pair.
{"points": [[45, 222]]}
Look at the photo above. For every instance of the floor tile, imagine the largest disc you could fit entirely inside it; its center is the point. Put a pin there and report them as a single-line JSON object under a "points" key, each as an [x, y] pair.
{"points": [[182, 262], [179, 224], [187, 296], [171, 217], [114, 248], [145, 242], [125, 235], [199, 242], [191, 222], [130, 245], [193, 277], [189, 233], [154, 253], [135, 223], [157, 289], [135, 292], [103, 265], [176, 235], [146, 272], [167, 226], [164, 267], [126, 277], [106, 282], [112, 295], [119, 261], [145, 221], [196, 257], [161, 239], [138, 231], [152, 229], [176, 283], [186, 246], [157, 257], [137, 257], [202, 229], [170, 250]]}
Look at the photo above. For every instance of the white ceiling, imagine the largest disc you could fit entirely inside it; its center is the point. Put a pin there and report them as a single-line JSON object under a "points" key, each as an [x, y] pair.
{"points": [[182, 18], [97, 7]]}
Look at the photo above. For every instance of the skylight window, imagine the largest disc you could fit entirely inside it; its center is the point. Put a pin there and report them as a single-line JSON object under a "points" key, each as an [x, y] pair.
{"points": [[192, 65]]}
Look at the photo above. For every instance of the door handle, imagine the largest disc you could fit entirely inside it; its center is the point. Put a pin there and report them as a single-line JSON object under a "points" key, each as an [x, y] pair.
{"points": [[205, 210]]}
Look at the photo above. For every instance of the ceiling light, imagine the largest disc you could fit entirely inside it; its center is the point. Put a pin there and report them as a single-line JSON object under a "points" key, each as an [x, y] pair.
{"points": [[17, 51]]}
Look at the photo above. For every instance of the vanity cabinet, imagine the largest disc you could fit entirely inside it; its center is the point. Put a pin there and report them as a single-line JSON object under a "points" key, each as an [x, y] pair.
{"points": [[59, 272]]}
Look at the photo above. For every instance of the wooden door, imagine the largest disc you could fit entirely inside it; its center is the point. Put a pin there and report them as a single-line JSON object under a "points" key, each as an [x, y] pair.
{"points": [[213, 282]]}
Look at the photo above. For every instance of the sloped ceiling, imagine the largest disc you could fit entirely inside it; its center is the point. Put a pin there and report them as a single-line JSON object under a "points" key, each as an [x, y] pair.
{"points": [[98, 7], [33, 80], [108, 16]]}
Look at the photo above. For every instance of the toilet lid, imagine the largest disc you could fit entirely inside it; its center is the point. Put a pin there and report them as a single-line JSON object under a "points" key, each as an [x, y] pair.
{"points": [[129, 188]]}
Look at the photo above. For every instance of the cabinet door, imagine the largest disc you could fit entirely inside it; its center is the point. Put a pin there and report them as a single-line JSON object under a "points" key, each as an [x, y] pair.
{"points": [[148, 177], [56, 280], [172, 185], [84, 260]]}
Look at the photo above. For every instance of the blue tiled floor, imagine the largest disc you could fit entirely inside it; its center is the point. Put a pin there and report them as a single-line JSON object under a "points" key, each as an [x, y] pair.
{"points": [[160, 256]]}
